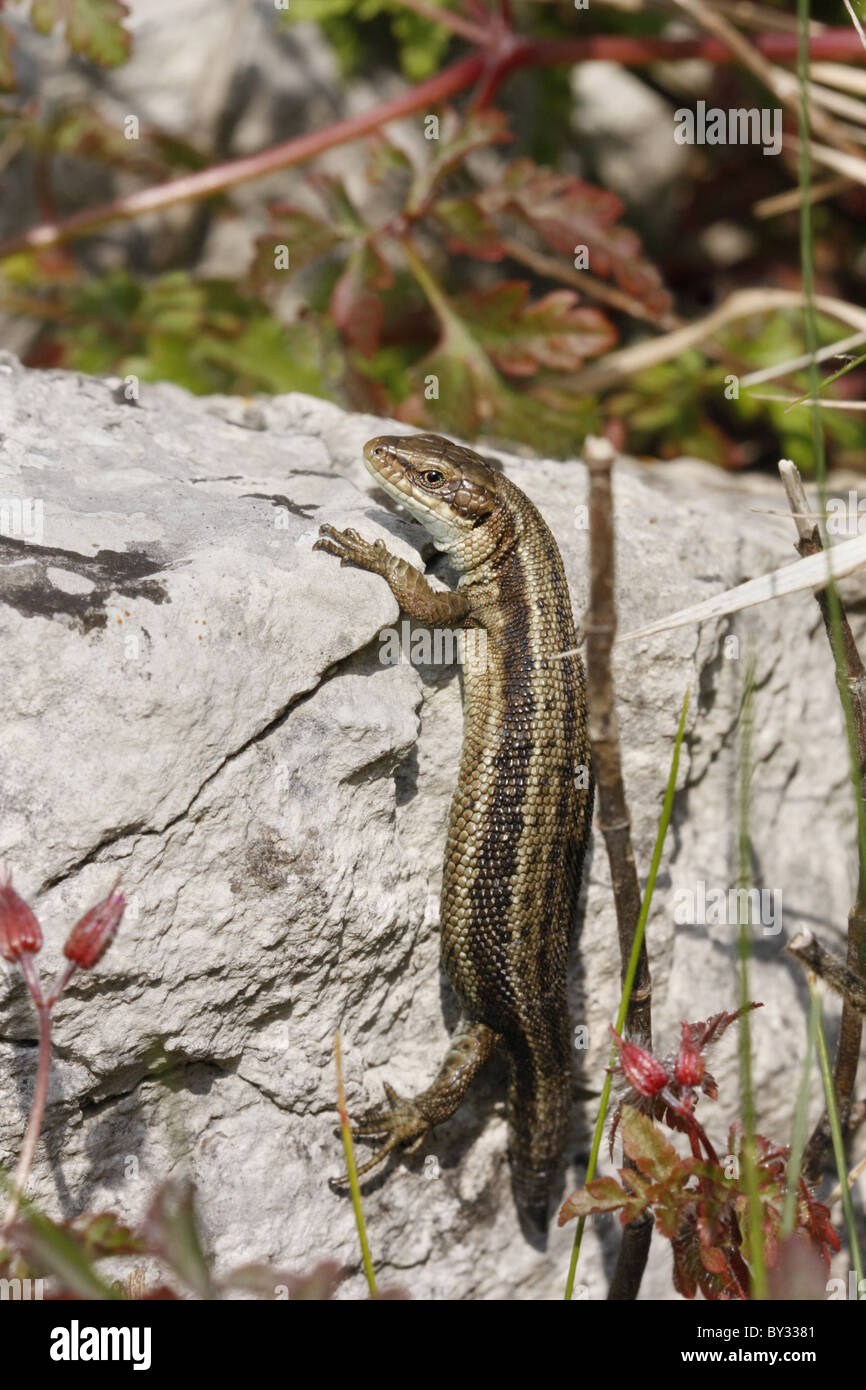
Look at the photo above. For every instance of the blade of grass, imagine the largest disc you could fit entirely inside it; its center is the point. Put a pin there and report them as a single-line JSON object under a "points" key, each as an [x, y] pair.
{"points": [[646, 902], [828, 381], [838, 1144], [351, 1169], [755, 1230], [800, 1125]]}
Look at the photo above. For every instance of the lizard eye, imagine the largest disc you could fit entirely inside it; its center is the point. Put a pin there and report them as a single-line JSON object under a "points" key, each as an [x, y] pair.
{"points": [[432, 478]]}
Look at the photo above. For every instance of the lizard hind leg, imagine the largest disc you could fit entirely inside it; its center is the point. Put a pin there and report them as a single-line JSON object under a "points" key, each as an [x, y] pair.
{"points": [[404, 1122]]}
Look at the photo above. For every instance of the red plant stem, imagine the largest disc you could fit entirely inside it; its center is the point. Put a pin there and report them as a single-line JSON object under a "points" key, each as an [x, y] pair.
{"points": [[40, 1093], [61, 982], [505, 55], [834, 44], [473, 32], [206, 182]]}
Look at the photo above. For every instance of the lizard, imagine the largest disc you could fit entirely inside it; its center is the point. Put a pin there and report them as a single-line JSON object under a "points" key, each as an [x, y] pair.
{"points": [[521, 812]]}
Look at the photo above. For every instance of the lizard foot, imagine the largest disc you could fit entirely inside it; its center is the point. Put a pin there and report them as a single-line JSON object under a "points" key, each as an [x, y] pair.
{"points": [[402, 1122], [352, 549]]}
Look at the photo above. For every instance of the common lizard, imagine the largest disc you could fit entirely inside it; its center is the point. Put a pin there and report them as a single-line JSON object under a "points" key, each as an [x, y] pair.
{"points": [[521, 813]]}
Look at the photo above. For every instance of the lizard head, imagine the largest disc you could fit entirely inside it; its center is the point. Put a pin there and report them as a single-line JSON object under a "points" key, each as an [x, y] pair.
{"points": [[450, 489]]}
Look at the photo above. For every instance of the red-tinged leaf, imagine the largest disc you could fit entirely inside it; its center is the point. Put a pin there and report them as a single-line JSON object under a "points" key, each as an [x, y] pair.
{"points": [[319, 1284], [710, 1086], [814, 1219], [521, 337], [94, 28], [647, 1147], [568, 213], [295, 236], [669, 1218], [457, 139], [468, 231], [686, 1261], [356, 301], [602, 1194], [712, 1259], [701, 1035], [8, 81]]}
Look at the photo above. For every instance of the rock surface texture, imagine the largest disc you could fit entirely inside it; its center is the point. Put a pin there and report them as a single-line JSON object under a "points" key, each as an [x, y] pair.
{"points": [[196, 701]]}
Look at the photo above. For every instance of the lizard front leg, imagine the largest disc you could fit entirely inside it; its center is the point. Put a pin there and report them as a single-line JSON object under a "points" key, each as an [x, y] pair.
{"points": [[407, 584], [405, 1122]]}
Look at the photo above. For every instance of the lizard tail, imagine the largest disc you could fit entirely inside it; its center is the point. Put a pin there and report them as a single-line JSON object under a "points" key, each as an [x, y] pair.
{"points": [[540, 1100]]}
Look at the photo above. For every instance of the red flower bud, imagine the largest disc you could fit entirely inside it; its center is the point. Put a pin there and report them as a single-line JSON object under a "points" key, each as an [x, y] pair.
{"points": [[641, 1069], [94, 932], [689, 1066], [19, 929]]}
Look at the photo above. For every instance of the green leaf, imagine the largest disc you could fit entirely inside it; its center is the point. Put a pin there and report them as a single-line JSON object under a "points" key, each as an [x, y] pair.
{"points": [[171, 1231], [457, 139], [50, 1249], [103, 1233], [647, 1147], [344, 216], [306, 239], [94, 28], [468, 230]]}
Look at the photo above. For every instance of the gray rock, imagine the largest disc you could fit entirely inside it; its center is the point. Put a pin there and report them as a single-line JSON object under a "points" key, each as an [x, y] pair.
{"points": [[195, 700]]}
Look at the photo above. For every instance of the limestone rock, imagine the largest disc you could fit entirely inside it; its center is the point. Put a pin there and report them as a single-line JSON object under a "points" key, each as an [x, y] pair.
{"points": [[195, 700]]}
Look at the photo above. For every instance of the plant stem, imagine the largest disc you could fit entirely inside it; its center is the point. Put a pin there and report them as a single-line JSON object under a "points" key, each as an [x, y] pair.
{"points": [[349, 1150], [837, 44], [838, 1143], [40, 1092], [664, 821], [448, 19]]}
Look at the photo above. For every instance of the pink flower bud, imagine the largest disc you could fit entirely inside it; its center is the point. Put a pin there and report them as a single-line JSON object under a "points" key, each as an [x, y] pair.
{"points": [[689, 1066], [19, 930], [644, 1073], [94, 932]]}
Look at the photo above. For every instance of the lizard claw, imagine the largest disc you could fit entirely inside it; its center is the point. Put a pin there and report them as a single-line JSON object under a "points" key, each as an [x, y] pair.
{"points": [[351, 549], [403, 1124]]}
